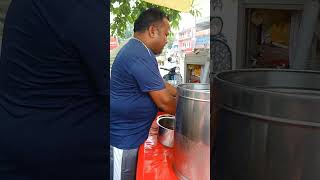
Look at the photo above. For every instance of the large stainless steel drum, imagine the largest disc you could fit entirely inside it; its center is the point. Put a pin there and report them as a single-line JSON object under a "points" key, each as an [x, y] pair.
{"points": [[267, 125], [192, 133]]}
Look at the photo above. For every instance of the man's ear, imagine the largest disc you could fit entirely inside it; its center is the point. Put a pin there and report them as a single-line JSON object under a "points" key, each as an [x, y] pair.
{"points": [[152, 31]]}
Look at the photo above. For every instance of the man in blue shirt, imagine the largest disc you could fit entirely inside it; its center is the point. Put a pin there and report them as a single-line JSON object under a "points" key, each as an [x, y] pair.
{"points": [[138, 91]]}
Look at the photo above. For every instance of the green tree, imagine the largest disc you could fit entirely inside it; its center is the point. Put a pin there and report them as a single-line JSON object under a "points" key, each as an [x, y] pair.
{"points": [[126, 11]]}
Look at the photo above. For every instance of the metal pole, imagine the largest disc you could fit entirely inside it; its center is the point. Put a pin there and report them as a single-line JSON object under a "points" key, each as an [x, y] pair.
{"points": [[306, 32], [204, 78]]}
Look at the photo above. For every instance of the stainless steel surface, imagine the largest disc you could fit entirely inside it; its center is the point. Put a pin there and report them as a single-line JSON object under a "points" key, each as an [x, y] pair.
{"points": [[206, 71], [166, 125], [192, 132], [266, 125]]}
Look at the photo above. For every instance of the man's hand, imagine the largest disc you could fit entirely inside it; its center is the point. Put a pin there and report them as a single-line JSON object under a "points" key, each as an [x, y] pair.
{"points": [[164, 100], [172, 90]]}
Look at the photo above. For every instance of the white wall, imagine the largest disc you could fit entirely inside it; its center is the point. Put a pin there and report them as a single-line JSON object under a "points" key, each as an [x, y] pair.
{"points": [[229, 15]]}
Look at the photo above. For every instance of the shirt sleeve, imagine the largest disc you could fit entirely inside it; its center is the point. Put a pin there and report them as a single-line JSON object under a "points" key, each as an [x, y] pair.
{"points": [[147, 74]]}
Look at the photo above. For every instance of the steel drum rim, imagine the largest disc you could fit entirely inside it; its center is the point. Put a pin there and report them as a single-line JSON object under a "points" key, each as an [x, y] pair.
{"points": [[181, 87], [281, 115], [194, 94], [253, 89], [271, 118], [195, 99]]}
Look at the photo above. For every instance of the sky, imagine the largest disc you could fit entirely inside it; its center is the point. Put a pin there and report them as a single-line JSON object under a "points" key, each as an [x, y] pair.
{"points": [[187, 20]]}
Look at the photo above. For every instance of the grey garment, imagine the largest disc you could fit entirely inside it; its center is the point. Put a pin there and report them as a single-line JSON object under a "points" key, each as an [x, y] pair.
{"points": [[111, 162], [128, 163]]}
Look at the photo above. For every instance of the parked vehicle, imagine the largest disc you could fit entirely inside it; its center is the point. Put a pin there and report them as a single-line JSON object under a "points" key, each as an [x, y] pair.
{"points": [[173, 76]]}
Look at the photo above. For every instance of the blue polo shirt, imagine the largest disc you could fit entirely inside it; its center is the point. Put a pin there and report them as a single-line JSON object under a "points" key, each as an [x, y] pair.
{"points": [[134, 73]]}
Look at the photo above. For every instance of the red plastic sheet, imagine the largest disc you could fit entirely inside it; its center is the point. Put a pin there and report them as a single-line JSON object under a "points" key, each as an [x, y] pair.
{"points": [[155, 161]]}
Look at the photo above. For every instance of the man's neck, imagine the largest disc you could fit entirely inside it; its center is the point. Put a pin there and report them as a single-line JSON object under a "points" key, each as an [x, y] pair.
{"points": [[142, 39]]}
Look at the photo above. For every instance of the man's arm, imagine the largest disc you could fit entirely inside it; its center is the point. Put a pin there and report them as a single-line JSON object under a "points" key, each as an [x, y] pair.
{"points": [[164, 101], [172, 90]]}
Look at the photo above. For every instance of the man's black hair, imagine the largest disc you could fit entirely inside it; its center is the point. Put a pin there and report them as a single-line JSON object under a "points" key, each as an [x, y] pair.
{"points": [[148, 18]]}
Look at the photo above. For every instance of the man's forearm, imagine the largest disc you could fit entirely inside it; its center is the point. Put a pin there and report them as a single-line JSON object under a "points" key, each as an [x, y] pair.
{"points": [[172, 90]]}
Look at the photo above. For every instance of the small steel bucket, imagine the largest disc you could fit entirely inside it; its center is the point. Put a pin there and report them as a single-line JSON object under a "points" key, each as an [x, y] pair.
{"points": [[166, 125]]}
